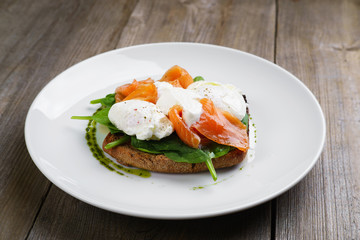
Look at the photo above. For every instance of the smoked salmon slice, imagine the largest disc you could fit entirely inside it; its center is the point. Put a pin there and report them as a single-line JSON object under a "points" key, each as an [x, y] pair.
{"points": [[221, 127], [189, 137], [216, 125], [177, 73], [141, 90], [146, 92], [176, 83], [124, 90]]}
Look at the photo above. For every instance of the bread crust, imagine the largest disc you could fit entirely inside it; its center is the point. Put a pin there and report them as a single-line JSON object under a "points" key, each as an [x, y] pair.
{"points": [[129, 156]]}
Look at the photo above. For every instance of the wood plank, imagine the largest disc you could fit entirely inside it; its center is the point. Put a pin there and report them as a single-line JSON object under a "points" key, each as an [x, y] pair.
{"points": [[64, 217], [319, 43], [48, 38], [246, 25]]}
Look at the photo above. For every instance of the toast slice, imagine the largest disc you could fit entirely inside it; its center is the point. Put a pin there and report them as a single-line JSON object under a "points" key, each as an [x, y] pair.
{"points": [[129, 156]]}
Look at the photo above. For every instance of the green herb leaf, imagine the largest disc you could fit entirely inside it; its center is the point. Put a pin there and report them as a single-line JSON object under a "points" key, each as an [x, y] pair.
{"points": [[215, 150], [245, 121], [148, 151], [120, 141], [82, 117], [107, 101], [172, 147], [96, 101], [195, 156], [198, 78], [211, 168], [114, 129], [100, 117]]}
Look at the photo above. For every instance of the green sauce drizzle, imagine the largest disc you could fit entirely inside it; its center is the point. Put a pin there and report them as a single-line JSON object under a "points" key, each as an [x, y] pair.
{"points": [[212, 184], [106, 162]]}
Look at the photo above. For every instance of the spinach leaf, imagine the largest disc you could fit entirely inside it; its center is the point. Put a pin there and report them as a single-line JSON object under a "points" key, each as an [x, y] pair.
{"points": [[198, 78], [102, 118], [107, 101], [82, 117], [196, 156], [173, 148], [245, 121], [120, 141], [211, 168], [148, 151], [215, 150]]}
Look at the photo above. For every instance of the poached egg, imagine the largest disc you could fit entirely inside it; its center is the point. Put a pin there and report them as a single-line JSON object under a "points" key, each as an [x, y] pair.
{"points": [[140, 118], [168, 96], [149, 121], [224, 96]]}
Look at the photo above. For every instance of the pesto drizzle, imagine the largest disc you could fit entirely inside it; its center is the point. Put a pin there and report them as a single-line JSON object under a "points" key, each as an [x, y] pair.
{"points": [[97, 152], [212, 184]]}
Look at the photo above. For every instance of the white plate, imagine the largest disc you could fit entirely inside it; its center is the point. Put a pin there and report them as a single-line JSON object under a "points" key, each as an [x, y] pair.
{"points": [[290, 133]]}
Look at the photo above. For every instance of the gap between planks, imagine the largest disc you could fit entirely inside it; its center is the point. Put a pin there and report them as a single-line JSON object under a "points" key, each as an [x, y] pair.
{"points": [[274, 201], [39, 210], [51, 184]]}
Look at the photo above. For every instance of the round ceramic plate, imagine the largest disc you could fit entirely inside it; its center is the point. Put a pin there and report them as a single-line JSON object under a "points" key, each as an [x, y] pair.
{"points": [[289, 121]]}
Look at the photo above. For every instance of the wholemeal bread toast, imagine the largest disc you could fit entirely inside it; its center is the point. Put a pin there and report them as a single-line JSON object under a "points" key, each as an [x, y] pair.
{"points": [[129, 156]]}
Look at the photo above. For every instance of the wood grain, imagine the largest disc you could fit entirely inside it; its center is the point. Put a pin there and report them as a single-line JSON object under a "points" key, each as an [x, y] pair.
{"points": [[64, 217], [48, 37], [319, 43], [244, 25], [157, 21]]}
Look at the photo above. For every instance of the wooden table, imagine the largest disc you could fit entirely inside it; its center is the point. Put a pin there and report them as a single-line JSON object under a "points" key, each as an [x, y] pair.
{"points": [[318, 41]]}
